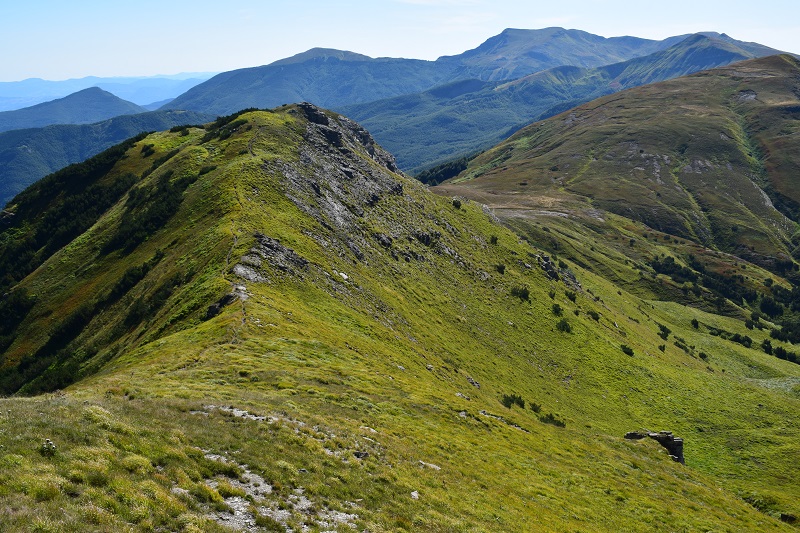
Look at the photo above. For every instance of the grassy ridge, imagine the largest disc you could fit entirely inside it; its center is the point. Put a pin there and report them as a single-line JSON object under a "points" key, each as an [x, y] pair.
{"points": [[373, 317]]}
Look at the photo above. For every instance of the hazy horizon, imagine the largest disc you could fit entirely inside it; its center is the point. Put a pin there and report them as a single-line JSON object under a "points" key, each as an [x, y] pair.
{"points": [[57, 41]]}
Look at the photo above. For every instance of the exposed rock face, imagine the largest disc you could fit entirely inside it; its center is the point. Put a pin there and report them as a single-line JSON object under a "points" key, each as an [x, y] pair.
{"points": [[239, 293], [342, 174], [548, 266], [673, 444], [270, 251]]}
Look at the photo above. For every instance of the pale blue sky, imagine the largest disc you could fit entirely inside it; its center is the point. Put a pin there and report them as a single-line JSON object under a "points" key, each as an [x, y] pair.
{"points": [[57, 39]]}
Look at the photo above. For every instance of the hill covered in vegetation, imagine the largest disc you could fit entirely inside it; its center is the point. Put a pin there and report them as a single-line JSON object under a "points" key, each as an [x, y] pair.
{"points": [[710, 157], [261, 324], [83, 107], [30, 154]]}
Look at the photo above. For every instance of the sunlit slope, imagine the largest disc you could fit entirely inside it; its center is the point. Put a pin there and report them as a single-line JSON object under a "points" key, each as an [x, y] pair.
{"points": [[381, 340], [712, 157]]}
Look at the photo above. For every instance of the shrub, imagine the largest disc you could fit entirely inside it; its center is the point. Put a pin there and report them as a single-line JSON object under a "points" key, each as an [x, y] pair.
{"points": [[493, 239], [521, 292], [563, 326], [695, 323], [571, 295], [456, 203], [557, 310], [662, 347], [500, 268], [627, 350], [513, 399], [594, 314], [770, 307], [553, 420], [664, 331], [267, 522], [535, 407]]}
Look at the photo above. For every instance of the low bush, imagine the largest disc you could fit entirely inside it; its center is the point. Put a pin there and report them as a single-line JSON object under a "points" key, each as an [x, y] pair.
{"points": [[553, 420], [521, 292], [627, 350], [510, 400]]}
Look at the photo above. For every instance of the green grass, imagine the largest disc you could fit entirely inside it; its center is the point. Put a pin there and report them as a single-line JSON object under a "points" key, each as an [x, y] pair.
{"points": [[683, 156], [407, 359]]}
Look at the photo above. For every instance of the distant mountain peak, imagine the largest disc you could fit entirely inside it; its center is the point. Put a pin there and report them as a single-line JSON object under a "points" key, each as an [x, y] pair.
{"points": [[88, 105], [324, 54]]}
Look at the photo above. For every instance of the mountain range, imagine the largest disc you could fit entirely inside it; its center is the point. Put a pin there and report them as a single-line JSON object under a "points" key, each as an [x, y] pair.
{"points": [[142, 91], [468, 116], [335, 78], [443, 113], [259, 323]]}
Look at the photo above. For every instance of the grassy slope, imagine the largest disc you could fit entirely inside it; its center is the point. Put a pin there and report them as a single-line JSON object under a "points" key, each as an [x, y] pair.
{"points": [[374, 363], [689, 156]]}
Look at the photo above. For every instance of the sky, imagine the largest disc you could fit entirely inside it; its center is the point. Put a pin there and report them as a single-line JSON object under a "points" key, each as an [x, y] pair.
{"points": [[57, 39]]}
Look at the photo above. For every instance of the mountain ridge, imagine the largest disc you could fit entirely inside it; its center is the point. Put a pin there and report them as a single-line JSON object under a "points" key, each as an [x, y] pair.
{"points": [[264, 300], [464, 123], [140, 90]]}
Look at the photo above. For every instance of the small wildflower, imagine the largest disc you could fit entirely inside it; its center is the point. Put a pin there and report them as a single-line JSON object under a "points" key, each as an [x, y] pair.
{"points": [[48, 448]]}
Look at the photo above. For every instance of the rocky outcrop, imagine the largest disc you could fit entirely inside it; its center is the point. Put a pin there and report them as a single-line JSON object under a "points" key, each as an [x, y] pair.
{"points": [[239, 293], [274, 254], [673, 444]]}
